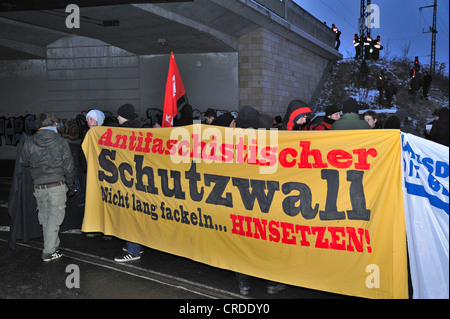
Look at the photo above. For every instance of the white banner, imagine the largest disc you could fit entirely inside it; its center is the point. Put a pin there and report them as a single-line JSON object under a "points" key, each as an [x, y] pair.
{"points": [[426, 200]]}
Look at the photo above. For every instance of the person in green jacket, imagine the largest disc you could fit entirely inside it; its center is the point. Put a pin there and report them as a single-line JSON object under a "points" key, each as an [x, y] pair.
{"points": [[350, 119]]}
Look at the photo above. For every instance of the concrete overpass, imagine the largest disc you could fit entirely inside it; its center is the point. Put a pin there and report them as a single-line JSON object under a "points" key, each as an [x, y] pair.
{"points": [[230, 53]]}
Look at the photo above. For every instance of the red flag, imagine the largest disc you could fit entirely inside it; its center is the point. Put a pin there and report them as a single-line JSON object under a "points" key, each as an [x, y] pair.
{"points": [[174, 91]]}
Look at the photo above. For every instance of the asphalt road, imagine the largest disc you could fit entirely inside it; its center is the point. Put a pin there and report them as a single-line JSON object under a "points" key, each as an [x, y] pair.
{"points": [[157, 275], [87, 271]]}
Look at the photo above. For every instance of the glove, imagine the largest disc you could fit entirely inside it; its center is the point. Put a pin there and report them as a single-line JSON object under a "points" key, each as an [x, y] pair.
{"points": [[71, 191]]}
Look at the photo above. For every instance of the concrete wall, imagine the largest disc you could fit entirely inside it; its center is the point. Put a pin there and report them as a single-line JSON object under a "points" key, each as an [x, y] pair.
{"points": [[81, 74], [85, 73], [308, 23], [268, 70], [23, 87], [210, 80], [273, 71]]}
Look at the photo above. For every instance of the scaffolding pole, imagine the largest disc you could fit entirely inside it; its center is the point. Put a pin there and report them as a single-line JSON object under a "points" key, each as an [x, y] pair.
{"points": [[364, 30], [433, 31]]}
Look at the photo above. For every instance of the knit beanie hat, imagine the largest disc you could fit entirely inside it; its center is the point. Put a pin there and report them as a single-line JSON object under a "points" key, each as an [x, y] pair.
{"points": [[401, 114], [392, 122], [97, 115], [126, 111], [224, 120], [331, 109], [350, 106]]}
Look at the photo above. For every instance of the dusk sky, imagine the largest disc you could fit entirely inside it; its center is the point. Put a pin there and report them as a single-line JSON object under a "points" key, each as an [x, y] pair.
{"points": [[401, 24]]}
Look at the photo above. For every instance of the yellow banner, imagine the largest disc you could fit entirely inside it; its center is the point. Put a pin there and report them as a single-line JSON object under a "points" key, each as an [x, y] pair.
{"points": [[321, 210]]}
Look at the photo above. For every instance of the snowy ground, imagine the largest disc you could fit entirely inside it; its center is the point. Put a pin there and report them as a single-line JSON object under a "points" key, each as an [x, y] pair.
{"points": [[347, 81]]}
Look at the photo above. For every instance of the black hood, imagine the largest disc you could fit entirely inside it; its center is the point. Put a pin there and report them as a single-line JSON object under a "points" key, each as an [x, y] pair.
{"points": [[44, 137], [248, 118]]}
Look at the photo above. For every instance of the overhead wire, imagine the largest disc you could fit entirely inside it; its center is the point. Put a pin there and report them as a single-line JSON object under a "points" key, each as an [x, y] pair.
{"points": [[343, 18]]}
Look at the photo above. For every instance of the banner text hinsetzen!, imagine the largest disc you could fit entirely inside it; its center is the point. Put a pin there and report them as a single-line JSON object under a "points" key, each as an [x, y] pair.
{"points": [[211, 188]]}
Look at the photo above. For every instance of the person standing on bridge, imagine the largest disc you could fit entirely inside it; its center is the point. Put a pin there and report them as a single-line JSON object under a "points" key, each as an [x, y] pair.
{"points": [[337, 37], [376, 48], [367, 47], [357, 45]]}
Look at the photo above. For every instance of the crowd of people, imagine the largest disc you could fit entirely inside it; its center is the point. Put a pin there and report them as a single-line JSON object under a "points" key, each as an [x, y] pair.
{"points": [[419, 79], [48, 156], [297, 115]]}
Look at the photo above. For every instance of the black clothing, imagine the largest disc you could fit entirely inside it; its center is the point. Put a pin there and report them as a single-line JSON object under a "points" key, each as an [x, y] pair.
{"points": [[426, 85], [440, 131], [22, 204], [248, 117]]}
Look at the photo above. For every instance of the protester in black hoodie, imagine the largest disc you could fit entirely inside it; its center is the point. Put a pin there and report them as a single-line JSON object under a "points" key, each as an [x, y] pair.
{"points": [[439, 132], [127, 118], [248, 118], [295, 115], [226, 119]]}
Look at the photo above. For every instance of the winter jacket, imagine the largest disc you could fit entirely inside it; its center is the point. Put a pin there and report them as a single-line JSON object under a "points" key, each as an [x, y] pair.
{"points": [[248, 117], [427, 79], [350, 121], [380, 82], [49, 159], [416, 83], [132, 124], [324, 126], [440, 130], [288, 120]]}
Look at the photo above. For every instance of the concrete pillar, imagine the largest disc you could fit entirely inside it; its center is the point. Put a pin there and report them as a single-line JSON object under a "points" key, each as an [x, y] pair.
{"points": [[273, 71]]}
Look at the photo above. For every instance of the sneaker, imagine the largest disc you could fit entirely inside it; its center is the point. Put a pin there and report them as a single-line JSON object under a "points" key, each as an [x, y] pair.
{"points": [[53, 256], [126, 257], [273, 289], [243, 284], [125, 248], [244, 290]]}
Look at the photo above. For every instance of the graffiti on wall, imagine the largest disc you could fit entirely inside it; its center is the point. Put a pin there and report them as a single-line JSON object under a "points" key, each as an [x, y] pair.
{"points": [[11, 128]]}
